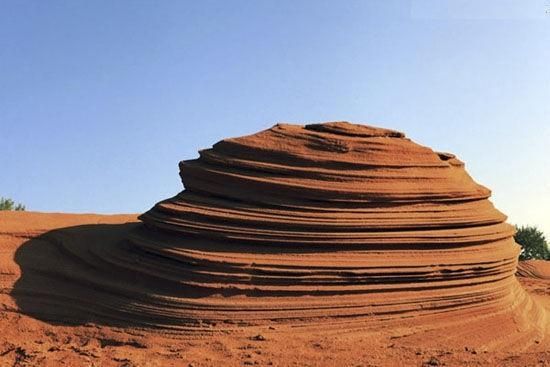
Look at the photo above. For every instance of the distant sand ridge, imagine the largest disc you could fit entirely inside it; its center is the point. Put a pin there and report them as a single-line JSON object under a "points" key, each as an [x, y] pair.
{"points": [[336, 225]]}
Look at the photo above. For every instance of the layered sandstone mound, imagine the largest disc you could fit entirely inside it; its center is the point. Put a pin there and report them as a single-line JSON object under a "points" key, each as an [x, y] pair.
{"points": [[327, 220], [335, 225]]}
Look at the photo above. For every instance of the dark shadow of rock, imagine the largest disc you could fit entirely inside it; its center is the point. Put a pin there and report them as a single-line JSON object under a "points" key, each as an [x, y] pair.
{"points": [[86, 274]]}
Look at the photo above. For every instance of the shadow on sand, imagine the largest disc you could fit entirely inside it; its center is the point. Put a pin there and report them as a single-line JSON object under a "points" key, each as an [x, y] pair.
{"points": [[72, 276]]}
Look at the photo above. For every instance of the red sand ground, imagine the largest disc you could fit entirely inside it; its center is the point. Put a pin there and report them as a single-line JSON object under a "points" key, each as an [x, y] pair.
{"points": [[494, 337]]}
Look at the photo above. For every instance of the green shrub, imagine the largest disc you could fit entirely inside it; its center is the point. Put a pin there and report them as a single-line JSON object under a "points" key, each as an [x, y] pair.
{"points": [[9, 204], [533, 243]]}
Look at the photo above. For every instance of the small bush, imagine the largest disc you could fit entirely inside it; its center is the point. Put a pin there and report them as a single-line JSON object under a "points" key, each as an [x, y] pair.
{"points": [[532, 242], [9, 204]]}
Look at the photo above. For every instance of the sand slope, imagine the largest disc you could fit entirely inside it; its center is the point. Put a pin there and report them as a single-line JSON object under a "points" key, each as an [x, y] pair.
{"points": [[534, 269]]}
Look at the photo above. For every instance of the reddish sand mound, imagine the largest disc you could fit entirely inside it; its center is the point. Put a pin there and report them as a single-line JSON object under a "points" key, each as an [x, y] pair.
{"points": [[538, 269], [333, 225], [325, 221]]}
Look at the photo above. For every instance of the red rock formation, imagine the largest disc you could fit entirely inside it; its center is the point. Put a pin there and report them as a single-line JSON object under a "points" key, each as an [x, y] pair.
{"points": [[327, 221], [330, 225]]}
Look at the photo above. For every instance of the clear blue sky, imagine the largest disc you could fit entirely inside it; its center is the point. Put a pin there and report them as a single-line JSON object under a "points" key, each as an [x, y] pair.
{"points": [[99, 100]]}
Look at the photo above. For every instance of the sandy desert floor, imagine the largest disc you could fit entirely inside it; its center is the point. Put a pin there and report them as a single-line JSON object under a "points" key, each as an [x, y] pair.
{"points": [[480, 339]]}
